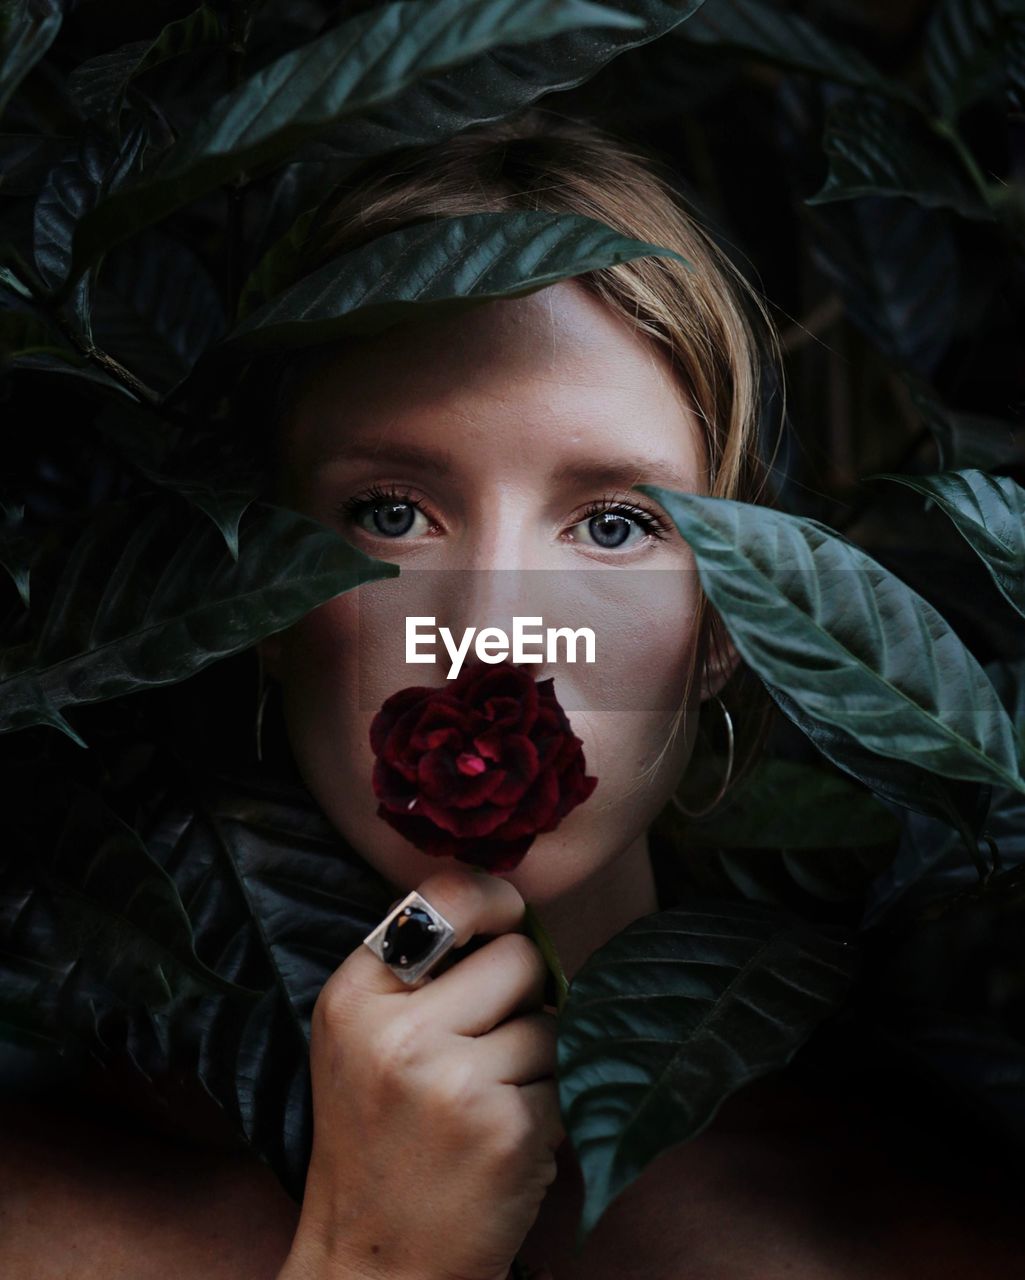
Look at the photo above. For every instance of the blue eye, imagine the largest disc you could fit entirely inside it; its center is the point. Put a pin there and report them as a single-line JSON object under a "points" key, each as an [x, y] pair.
{"points": [[611, 525], [389, 513], [392, 512]]}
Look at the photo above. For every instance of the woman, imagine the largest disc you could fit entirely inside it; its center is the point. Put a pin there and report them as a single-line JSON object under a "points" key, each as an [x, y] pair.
{"points": [[509, 445], [473, 452]]}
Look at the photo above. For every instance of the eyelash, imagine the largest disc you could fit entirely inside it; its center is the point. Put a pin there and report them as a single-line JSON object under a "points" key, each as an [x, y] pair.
{"points": [[652, 523]]}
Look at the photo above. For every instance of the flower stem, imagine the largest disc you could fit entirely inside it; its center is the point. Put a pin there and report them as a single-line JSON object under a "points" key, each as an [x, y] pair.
{"points": [[545, 945], [547, 948]]}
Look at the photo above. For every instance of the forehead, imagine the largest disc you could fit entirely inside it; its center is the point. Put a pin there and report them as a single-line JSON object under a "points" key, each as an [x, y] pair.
{"points": [[551, 373]]}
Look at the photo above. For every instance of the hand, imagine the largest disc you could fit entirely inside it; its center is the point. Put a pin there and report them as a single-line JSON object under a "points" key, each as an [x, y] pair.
{"points": [[435, 1110]]}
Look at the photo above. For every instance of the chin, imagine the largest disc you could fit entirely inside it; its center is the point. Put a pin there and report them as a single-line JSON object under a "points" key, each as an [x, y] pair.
{"points": [[552, 866]]}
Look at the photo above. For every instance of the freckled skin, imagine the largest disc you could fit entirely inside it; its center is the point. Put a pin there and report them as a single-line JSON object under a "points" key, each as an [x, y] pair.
{"points": [[512, 391]]}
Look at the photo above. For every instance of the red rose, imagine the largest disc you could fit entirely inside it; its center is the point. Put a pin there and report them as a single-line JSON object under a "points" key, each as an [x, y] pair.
{"points": [[475, 770]]}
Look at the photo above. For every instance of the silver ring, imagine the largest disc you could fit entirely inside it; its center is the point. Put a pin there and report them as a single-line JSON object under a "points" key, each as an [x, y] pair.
{"points": [[411, 938]]}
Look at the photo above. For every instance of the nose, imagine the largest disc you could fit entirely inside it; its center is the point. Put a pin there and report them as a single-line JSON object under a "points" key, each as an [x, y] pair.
{"points": [[503, 568]]}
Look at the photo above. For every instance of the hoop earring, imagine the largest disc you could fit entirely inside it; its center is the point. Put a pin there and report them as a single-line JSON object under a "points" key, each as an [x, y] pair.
{"points": [[264, 690], [700, 813]]}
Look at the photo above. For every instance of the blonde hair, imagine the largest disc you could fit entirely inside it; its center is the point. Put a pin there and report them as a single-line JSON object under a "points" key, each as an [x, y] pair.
{"points": [[714, 326]]}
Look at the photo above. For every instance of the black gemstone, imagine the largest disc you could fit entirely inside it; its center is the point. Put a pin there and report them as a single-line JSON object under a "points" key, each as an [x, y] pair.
{"points": [[409, 937]]}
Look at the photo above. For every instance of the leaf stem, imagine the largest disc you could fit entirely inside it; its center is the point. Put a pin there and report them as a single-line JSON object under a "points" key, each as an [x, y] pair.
{"points": [[945, 129], [111, 367]]}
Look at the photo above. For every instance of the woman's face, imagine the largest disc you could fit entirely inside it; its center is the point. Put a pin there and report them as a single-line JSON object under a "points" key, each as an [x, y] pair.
{"points": [[492, 456]]}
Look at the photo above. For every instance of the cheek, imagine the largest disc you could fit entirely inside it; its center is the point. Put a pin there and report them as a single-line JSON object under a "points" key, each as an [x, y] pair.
{"points": [[320, 647], [645, 624], [625, 706]]}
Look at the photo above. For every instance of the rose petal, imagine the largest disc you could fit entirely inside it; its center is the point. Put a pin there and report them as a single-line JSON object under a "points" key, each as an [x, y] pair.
{"points": [[507, 682], [534, 810], [503, 713], [488, 762], [391, 787], [396, 743], [489, 744], [465, 823], [442, 783], [426, 836], [494, 855], [440, 713], [519, 760], [389, 713]]}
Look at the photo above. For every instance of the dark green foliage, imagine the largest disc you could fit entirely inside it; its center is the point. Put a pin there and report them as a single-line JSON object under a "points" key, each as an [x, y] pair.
{"points": [[169, 907]]}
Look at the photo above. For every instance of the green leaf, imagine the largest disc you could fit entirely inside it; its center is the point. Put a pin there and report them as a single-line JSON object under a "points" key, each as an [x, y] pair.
{"points": [[99, 85], [121, 908], [849, 643], [28, 341], [80, 182], [1008, 678], [969, 1053], [148, 595], [275, 901], [488, 87], [157, 308], [896, 266], [93, 168], [877, 149], [989, 513], [272, 885], [959, 804], [966, 439], [674, 1014], [786, 40], [198, 465], [357, 65], [931, 858], [39, 970], [25, 333], [450, 262], [10, 281], [89, 920], [787, 834], [966, 51], [27, 29], [276, 268], [501, 82], [19, 279], [14, 549], [783, 804]]}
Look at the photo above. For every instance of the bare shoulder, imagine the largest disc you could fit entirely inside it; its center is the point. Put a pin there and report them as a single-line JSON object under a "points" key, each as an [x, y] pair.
{"points": [[775, 1189], [82, 1199]]}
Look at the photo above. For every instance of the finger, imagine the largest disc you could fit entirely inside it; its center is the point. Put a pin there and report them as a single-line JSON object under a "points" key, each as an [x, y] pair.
{"points": [[471, 902], [504, 978], [542, 1097], [519, 1051]]}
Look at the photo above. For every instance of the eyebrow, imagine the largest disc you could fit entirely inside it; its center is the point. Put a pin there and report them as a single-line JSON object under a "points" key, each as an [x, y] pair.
{"points": [[624, 472], [403, 455]]}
